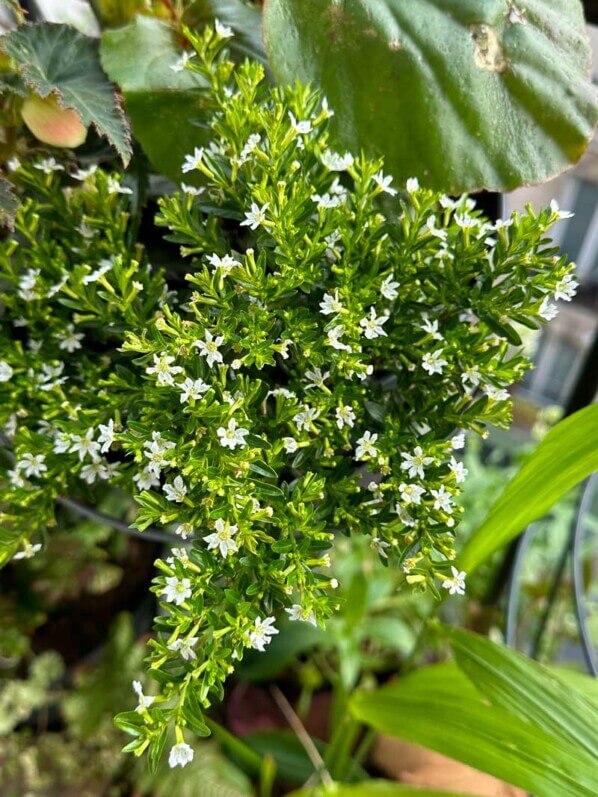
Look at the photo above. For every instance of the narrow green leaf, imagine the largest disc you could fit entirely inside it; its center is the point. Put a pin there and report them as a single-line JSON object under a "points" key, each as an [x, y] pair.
{"points": [[566, 456], [523, 687], [58, 60], [459, 93], [373, 787]]}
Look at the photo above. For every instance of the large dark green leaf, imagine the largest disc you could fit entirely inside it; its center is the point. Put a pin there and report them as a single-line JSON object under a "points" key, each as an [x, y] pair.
{"points": [[439, 709], [58, 60], [566, 456], [454, 92], [163, 104]]}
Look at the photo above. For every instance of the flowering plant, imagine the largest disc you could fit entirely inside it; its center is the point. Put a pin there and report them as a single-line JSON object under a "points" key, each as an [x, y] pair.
{"points": [[313, 374]]}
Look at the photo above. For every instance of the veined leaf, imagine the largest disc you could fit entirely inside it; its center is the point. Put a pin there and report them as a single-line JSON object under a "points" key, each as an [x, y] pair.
{"points": [[58, 60], [462, 94], [439, 709], [566, 456]]}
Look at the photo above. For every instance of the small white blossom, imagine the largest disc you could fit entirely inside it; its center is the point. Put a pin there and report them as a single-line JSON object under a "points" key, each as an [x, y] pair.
{"points": [[372, 325], [335, 162], [458, 470], [334, 338], [146, 479], [106, 435], [365, 446], [561, 214], [192, 389], [442, 499], [433, 362], [70, 340], [431, 327], [298, 613], [472, 375], [192, 190], [327, 201], [305, 418], [496, 393], [384, 182], [388, 289], [290, 444], [316, 377], [261, 634], [416, 462], [222, 538], [83, 174], [256, 216], [177, 590], [548, 310], [185, 647], [411, 493], [104, 267], [28, 551], [93, 471], [192, 161], [176, 491], [566, 288], [223, 30], [180, 65], [231, 436], [145, 701], [184, 530], [225, 263], [6, 371], [302, 128], [114, 186], [345, 416], [180, 755], [458, 441], [48, 165], [456, 584], [378, 545], [412, 184], [330, 304], [209, 348], [85, 445]]}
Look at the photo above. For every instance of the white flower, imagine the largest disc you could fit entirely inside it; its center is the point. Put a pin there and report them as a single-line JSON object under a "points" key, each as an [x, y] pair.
{"points": [[250, 147], [104, 267], [566, 288], [180, 755], [192, 389], [316, 377], [433, 363], [465, 221], [326, 108], [411, 493], [262, 632], [69, 340], [6, 371], [208, 348], [62, 443], [83, 174], [561, 214], [300, 127], [106, 436], [305, 418], [180, 65], [378, 545], [330, 304], [471, 375], [431, 327], [365, 446], [222, 538], [176, 590], [416, 462], [335, 162], [85, 445], [255, 216], [334, 338], [114, 186], [388, 289], [225, 263], [93, 471], [373, 325], [13, 164], [412, 184], [442, 499], [163, 369], [28, 551], [185, 647], [345, 416], [496, 393], [326, 201], [146, 479], [231, 437], [192, 161], [145, 701], [456, 584], [299, 614], [290, 444], [385, 183], [192, 190], [223, 30], [548, 310], [176, 491], [48, 165], [458, 441], [458, 470], [184, 530]]}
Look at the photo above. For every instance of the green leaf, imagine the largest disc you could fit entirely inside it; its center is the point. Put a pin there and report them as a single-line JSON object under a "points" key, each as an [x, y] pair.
{"points": [[163, 105], [519, 685], [58, 60], [373, 787], [245, 20], [566, 456], [455, 92], [8, 202], [439, 709]]}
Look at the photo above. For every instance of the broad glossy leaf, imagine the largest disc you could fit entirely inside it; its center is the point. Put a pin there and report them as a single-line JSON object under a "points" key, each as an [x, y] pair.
{"points": [[58, 60], [430, 708], [566, 456], [523, 687], [459, 93], [163, 104], [373, 787]]}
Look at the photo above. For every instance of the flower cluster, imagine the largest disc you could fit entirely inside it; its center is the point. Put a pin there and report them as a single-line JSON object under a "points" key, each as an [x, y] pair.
{"points": [[338, 337]]}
